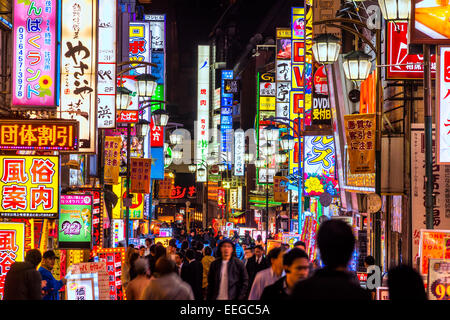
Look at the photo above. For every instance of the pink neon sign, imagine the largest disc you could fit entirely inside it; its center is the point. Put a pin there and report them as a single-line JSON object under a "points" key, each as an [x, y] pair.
{"points": [[34, 43]]}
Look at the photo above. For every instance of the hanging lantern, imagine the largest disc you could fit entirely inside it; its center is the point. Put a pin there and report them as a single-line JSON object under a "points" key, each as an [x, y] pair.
{"points": [[357, 65], [287, 142], [123, 97], [160, 118], [326, 48]]}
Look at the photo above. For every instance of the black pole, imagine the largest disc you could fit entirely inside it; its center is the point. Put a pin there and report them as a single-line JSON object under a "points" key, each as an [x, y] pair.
{"points": [[127, 218], [428, 137]]}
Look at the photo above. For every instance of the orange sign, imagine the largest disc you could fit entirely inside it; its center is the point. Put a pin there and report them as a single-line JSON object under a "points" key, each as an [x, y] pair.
{"points": [[280, 193], [112, 159], [165, 187], [432, 245], [140, 175], [60, 135]]}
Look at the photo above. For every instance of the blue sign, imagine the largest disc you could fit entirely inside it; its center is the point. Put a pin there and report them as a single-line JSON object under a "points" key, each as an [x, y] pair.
{"points": [[157, 170], [158, 71]]}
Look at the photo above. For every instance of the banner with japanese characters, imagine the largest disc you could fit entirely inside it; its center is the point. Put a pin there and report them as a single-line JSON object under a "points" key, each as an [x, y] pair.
{"points": [[115, 259], [140, 175], [321, 110], [140, 45], [239, 151], [113, 145], [165, 187], [29, 186], [202, 125], [360, 135], [280, 191], [283, 72], [106, 75], [12, 248], [78, 68], [34, 53], [97, 215], [75, 222]]}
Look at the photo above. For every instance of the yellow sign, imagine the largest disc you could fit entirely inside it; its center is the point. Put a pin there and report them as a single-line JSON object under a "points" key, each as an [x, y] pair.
{"points": [[29, 186], [283, 33], [267, 103], [112, 159], [164, 241], [137, 205], [432, 246]]}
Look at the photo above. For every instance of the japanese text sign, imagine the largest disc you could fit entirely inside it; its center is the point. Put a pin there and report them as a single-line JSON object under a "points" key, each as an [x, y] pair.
{"points": [[127, 116], [239, 151], [58, 135], [283, 72], [202, 125], [140, 175], [34, 53], [156, 135], [12, 248], [82, 287], [78, 68], [97, 215], [140, 45], [98, 268], [75, 222], [360, 135], [183, 192], [29, 186], [165, 187], [106, 73], [280, 192], [443, 105], [114, 258], [113, 145], [221, 202], [433, 244]]}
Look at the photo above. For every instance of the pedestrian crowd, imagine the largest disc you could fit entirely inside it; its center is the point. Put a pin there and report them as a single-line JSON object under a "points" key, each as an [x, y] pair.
{"points": [[206, 266]]}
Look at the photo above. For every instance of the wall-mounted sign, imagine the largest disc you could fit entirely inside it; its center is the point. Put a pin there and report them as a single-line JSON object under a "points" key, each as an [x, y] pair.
{"points": [[97, 216], [165, 187], [29, 186], [226, 118], [140, 175], [221, 197], [75, 222], [429, 23], [78, 68], [178, 192], [58, 135], [34, 53], [115, 259], [280, 191], [231, 86], [127, 116], [98, 268], [438, 285], [434, 244], [239, 151], [443, 105], [112, 159], [156, 135], [106, 73], [140, 44], [82, 287]]}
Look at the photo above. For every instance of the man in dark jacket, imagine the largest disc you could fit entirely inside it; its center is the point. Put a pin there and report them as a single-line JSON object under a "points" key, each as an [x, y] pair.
{"points": [[336, 243], [296, 266], [255, 264], [227, 277], [23, 281], [192, 273]]}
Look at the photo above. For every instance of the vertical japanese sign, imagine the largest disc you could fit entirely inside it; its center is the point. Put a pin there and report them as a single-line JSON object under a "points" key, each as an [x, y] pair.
{"points": [[234, 198], [112, 159], [115, 259], [140, 175], [75, 222], [34, 53], [280, 192], [165, 187], [140, 44], [239, 150], [321, 110], [12, 248], [221, 197], [443, 105], [106, 73], [78, 68], [202, 137], [118, 232], [319, 166], [29, 186], [297, 95], [309, 66], [97, 216], [226, 118], [156, 135], [360, 136], [283, 72]]}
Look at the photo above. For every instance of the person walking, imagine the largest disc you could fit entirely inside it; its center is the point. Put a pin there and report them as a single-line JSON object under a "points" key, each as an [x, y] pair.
{"points": [[52, 285], [172, 249], [206, 262], [269, 275], [199, 251], [255, 264], [136, 286], [23, 281], [405, 283], [336, 244], [296, 267], [179, 260], [227, 276], [165, 284], [192, 273], [134, 257]]}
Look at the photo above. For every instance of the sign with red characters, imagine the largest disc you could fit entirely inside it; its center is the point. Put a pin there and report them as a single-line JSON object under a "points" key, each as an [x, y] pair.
{"points": [[127, 116]]}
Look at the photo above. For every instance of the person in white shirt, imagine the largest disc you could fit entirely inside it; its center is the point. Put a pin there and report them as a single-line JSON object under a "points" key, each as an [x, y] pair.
{"points": [[270, 275]]}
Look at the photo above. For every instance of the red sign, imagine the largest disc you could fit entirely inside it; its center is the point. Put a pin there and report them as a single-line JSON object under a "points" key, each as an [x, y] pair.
{"points": [[156, 135], [362, 276], [397, 53], [127, 116], [221, 197]]}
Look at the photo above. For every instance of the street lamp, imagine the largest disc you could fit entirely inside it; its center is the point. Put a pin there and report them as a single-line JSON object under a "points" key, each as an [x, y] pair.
{"points": [[143, 127], [160, 117], [395, 10], [123, 97], [357, 65], [271, 133], [287, 142], [175, 138], [146, 85], [326, 48], [192, 168], [177, 154]]}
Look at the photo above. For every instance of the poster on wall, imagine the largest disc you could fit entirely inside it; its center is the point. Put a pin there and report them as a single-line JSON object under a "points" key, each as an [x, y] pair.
{"points": [[34, 53], [75, 222], [114, 259], [140, 175], [438, 285], [433, 245], [78, 68]]}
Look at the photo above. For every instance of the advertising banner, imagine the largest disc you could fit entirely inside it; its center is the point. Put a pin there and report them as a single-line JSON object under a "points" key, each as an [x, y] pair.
{"points": [[360, 135], [34, 53], [140, 175], [239, 151], [78, 68], [97, 215], [443, 105], [433, 245], [115, 259], [280, 191], [157, 170], [82, 287], [165, 187], [75, 222], [321, 109], [429, 23], [98, 268], [29, 186], [438, 285], [140, 45], [112, 154], [283, 72]]}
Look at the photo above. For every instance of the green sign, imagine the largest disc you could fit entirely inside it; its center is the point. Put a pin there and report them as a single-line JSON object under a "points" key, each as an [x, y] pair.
{"points": [[75, 222]]}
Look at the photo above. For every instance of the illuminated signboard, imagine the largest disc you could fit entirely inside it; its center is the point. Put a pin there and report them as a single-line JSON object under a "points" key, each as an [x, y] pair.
{"points": [[115, 259], [82, 287], [443, 105], [58, 135], [156, 135], [403, 65], [29, 186], [78, 68], [106, 76], [97, 216], [118, 231], [127, 116], [202, 129], [12, 248], [140, 175], [75, 222], [226, 118], [429, 22], [139, 47], [283, 72], [321, 110], [239, 150], [34, 53], [137, 204], [319, 166]]}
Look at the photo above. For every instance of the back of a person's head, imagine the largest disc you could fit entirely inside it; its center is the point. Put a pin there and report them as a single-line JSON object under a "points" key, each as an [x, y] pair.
{"points": [[405, 283], [173, 243], [34, 257], [164, 266], [291, 255], [153, 248], [160, 251], [199, 246], [184, 245], [336, 243], [190, 254], [208, 251], [369, 260], [299, 243], [275, 253], [141, 266]]}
